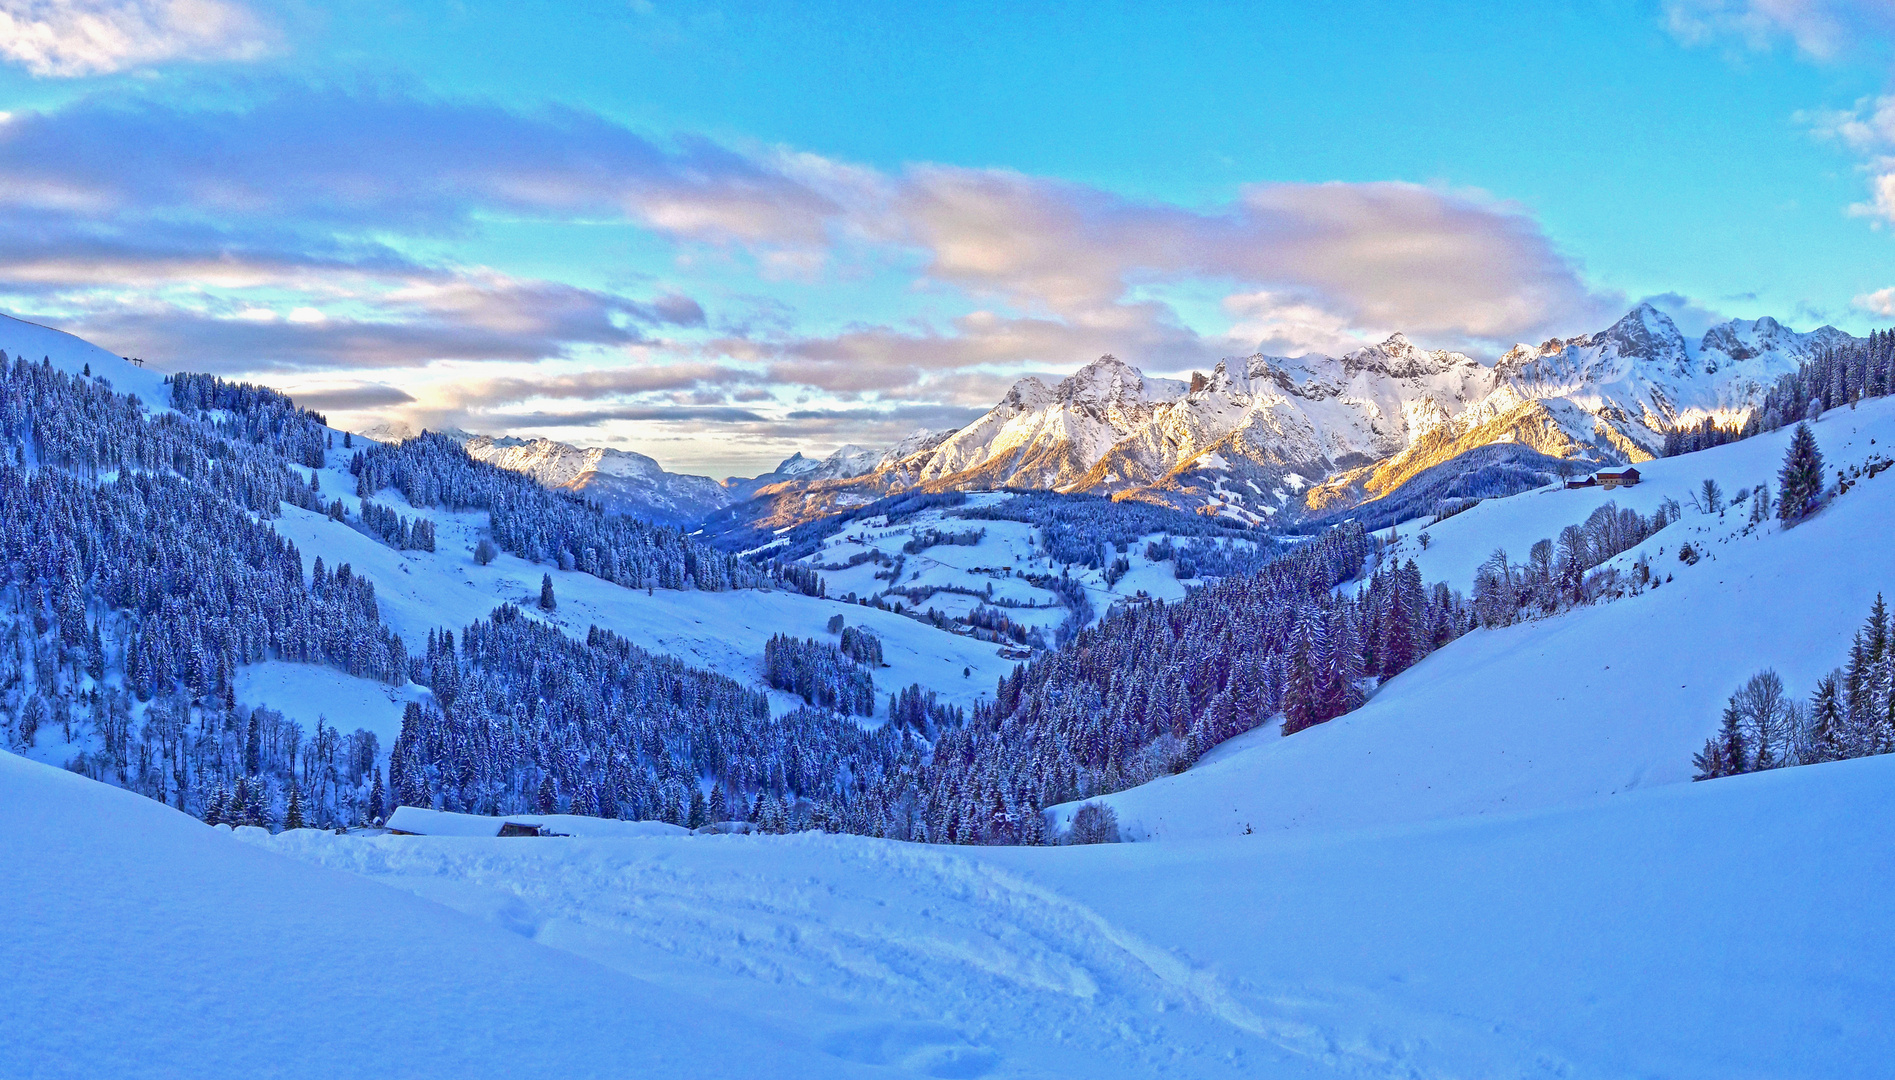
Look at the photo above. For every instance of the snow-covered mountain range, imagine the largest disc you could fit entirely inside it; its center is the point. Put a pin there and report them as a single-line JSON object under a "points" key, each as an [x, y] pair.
{"points": [[632, 483], [1281, 438], [1259, 438]]}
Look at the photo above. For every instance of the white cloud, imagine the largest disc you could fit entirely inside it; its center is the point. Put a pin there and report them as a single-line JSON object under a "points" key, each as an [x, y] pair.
{"points": [[1456, 265], [1282, 325], [1820, 29], [66, 38], [1868, 128], [1879, 302]]}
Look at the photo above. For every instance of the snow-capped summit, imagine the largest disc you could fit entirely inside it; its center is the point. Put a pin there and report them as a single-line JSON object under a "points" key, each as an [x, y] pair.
{"points": [[1647, 334], [1270, 436], [616, 479]]}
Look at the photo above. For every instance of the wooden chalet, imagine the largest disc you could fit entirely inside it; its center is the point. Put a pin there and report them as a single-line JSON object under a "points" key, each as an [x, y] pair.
{"points": [[1626, 477]]}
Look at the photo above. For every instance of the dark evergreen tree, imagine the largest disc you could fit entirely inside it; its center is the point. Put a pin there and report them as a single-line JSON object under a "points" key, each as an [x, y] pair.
{"points": [[377, 800], [696, 818], [1800, 483], [547, 603]]}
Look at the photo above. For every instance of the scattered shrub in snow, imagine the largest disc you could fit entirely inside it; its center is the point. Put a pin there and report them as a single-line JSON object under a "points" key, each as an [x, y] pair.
{"points": [[1094, 823], [1709, 497]]}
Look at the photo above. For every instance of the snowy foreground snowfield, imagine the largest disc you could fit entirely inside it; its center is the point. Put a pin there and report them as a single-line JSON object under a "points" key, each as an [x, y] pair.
{"points": [[1730, 929]]}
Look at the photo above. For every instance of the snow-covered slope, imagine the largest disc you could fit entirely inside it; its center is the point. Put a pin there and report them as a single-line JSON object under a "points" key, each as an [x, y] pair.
{"points": [[1598, 700], [143, 943], [421, 591], [74, 355], [1620, 937]]}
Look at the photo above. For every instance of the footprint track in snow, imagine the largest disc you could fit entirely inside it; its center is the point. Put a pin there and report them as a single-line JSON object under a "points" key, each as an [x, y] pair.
{"points": [[921, 959]]}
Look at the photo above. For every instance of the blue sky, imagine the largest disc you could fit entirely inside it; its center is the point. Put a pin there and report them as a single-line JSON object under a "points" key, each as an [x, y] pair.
{"points": [[717, 233]]}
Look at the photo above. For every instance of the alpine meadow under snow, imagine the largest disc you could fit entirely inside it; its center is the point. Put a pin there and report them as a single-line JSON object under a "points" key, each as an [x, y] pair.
{"points": [[934, 762]]}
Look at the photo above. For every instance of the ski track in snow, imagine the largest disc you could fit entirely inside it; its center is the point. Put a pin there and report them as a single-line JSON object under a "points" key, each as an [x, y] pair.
{"points": [[921, 958]]}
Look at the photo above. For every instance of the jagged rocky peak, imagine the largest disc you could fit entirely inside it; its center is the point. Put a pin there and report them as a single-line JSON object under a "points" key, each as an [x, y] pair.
{"points": [[1026, 395], [1111, 381], [1742, 339], [795, 465], [1646, 333], [1399, 358]]}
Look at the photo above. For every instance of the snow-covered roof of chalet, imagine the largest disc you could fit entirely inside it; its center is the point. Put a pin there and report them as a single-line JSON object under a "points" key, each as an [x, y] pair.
{"points": [[413, 819], [423, 822]]}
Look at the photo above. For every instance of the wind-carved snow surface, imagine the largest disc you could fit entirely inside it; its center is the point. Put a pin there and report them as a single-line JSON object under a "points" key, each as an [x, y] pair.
{"points": [[143, 943]]}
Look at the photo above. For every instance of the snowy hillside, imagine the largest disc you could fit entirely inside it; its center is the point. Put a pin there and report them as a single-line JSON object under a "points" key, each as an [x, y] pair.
{"points": [[33, 342], [1613, 938], [151, 945], [1602, 699], [420, 591], [1493, 867]]}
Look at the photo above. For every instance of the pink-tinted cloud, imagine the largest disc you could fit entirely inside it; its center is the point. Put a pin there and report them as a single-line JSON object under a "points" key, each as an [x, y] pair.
{"points": [[65, 38], [1453, 264]]}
